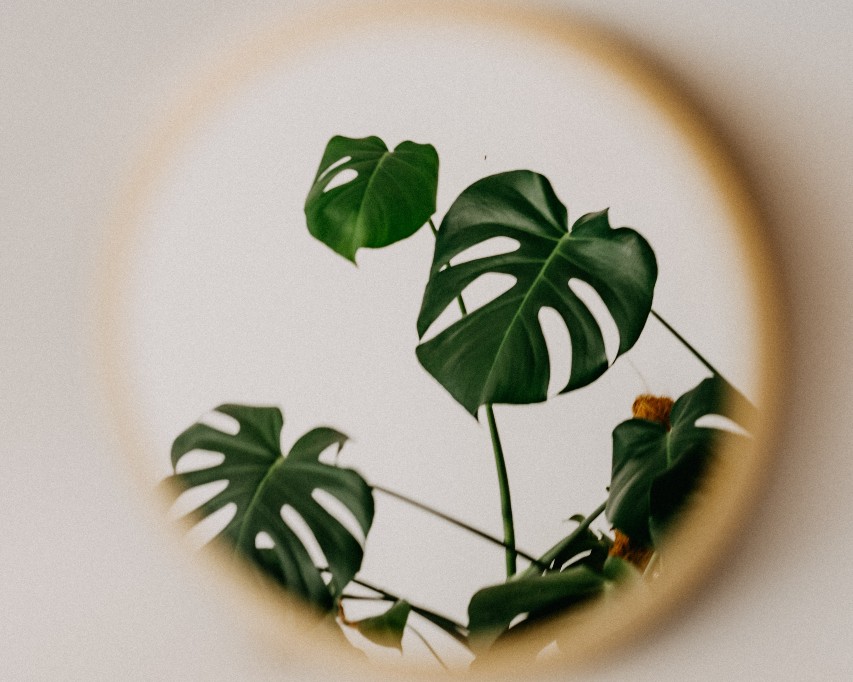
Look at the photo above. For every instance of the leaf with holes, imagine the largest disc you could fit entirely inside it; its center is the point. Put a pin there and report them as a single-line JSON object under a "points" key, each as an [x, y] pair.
{"points": [[498, 354], [656, 470], [262, 481], [493, 609], [389, 197]]}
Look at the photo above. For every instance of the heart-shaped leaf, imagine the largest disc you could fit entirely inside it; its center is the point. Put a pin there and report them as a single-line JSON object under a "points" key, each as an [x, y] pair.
{"points": [[655, 470], [261, 481], [498, 354], [387, 628], [389, 197]]}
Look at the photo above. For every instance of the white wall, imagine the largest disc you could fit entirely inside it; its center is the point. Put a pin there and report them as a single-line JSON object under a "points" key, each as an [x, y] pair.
{"points": [[89, 590]]}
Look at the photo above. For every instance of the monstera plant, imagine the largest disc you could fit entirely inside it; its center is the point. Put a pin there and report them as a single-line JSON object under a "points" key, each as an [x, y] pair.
{"points": [[365, 195]]}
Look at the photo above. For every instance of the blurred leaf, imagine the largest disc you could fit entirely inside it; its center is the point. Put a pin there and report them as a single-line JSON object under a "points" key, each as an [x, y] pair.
{"points": [[390, 197], [386, 629], [261, 481], [492, 609], [497, 354], [618, 570], [655, 471], [594, 545]]}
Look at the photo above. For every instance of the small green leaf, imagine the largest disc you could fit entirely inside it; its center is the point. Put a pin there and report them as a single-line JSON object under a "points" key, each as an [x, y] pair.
{"points": [[386, 629], [497, 354], [655, 471], [492, 609], [261, 481], [390, 197]]}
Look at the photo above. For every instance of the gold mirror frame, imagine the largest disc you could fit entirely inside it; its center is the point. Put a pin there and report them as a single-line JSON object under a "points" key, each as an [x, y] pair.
{"points": [[696, 545]]}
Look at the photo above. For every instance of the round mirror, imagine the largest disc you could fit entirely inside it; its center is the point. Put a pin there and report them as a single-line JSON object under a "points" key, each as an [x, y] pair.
{"points": [[530, 416]]}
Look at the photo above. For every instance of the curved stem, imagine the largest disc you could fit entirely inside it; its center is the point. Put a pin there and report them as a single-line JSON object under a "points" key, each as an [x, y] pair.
{"points": [[687, 345], [451, 627], [427, 645], [454, 521], [503, 484], [729, 386], [503, 479], [554, 552]]}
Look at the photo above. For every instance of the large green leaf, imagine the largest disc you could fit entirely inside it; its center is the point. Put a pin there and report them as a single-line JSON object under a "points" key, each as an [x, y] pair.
{"points": [[492, 609], [655, 470], [262, 480], [498, 354], [391, 196], [523, 602]]}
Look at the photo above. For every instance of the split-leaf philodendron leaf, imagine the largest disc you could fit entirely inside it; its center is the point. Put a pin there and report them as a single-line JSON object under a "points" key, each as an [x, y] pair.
{"points": [[492, 609], [262, 480], [498, 354], [390, 196], [655, 470]]}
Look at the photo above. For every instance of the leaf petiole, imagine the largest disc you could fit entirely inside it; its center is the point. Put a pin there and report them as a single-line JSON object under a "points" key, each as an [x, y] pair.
{"points": [[686, 344], [500, 464], [451, 627], [506, 501], [554, 552], [456, 522]]}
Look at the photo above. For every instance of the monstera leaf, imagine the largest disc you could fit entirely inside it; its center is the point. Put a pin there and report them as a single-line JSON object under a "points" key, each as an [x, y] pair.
{"points": [[497, 354], [492, 609], [261, 481], [391, 195], [656, 469]]}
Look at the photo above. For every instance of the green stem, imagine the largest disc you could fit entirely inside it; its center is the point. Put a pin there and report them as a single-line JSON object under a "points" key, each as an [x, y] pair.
{"points": [[451, 627], [500, 463], [687, 345], [427, 645], [456, 522], [554, 552], [503, 484]]}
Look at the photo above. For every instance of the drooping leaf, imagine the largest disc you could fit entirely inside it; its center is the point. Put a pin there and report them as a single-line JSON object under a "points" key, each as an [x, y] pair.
{"points": [[391, 195], [498, 354], [492, 609], [655, 470], [387, 628], [262, 480]]}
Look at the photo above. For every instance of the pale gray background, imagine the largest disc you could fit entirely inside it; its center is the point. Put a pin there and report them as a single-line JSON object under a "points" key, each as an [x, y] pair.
{"points": [[88, 588]]}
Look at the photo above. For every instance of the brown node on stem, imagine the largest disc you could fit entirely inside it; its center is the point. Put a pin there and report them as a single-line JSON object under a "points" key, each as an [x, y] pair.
{"points": [[637, 554], [654, 408]]}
